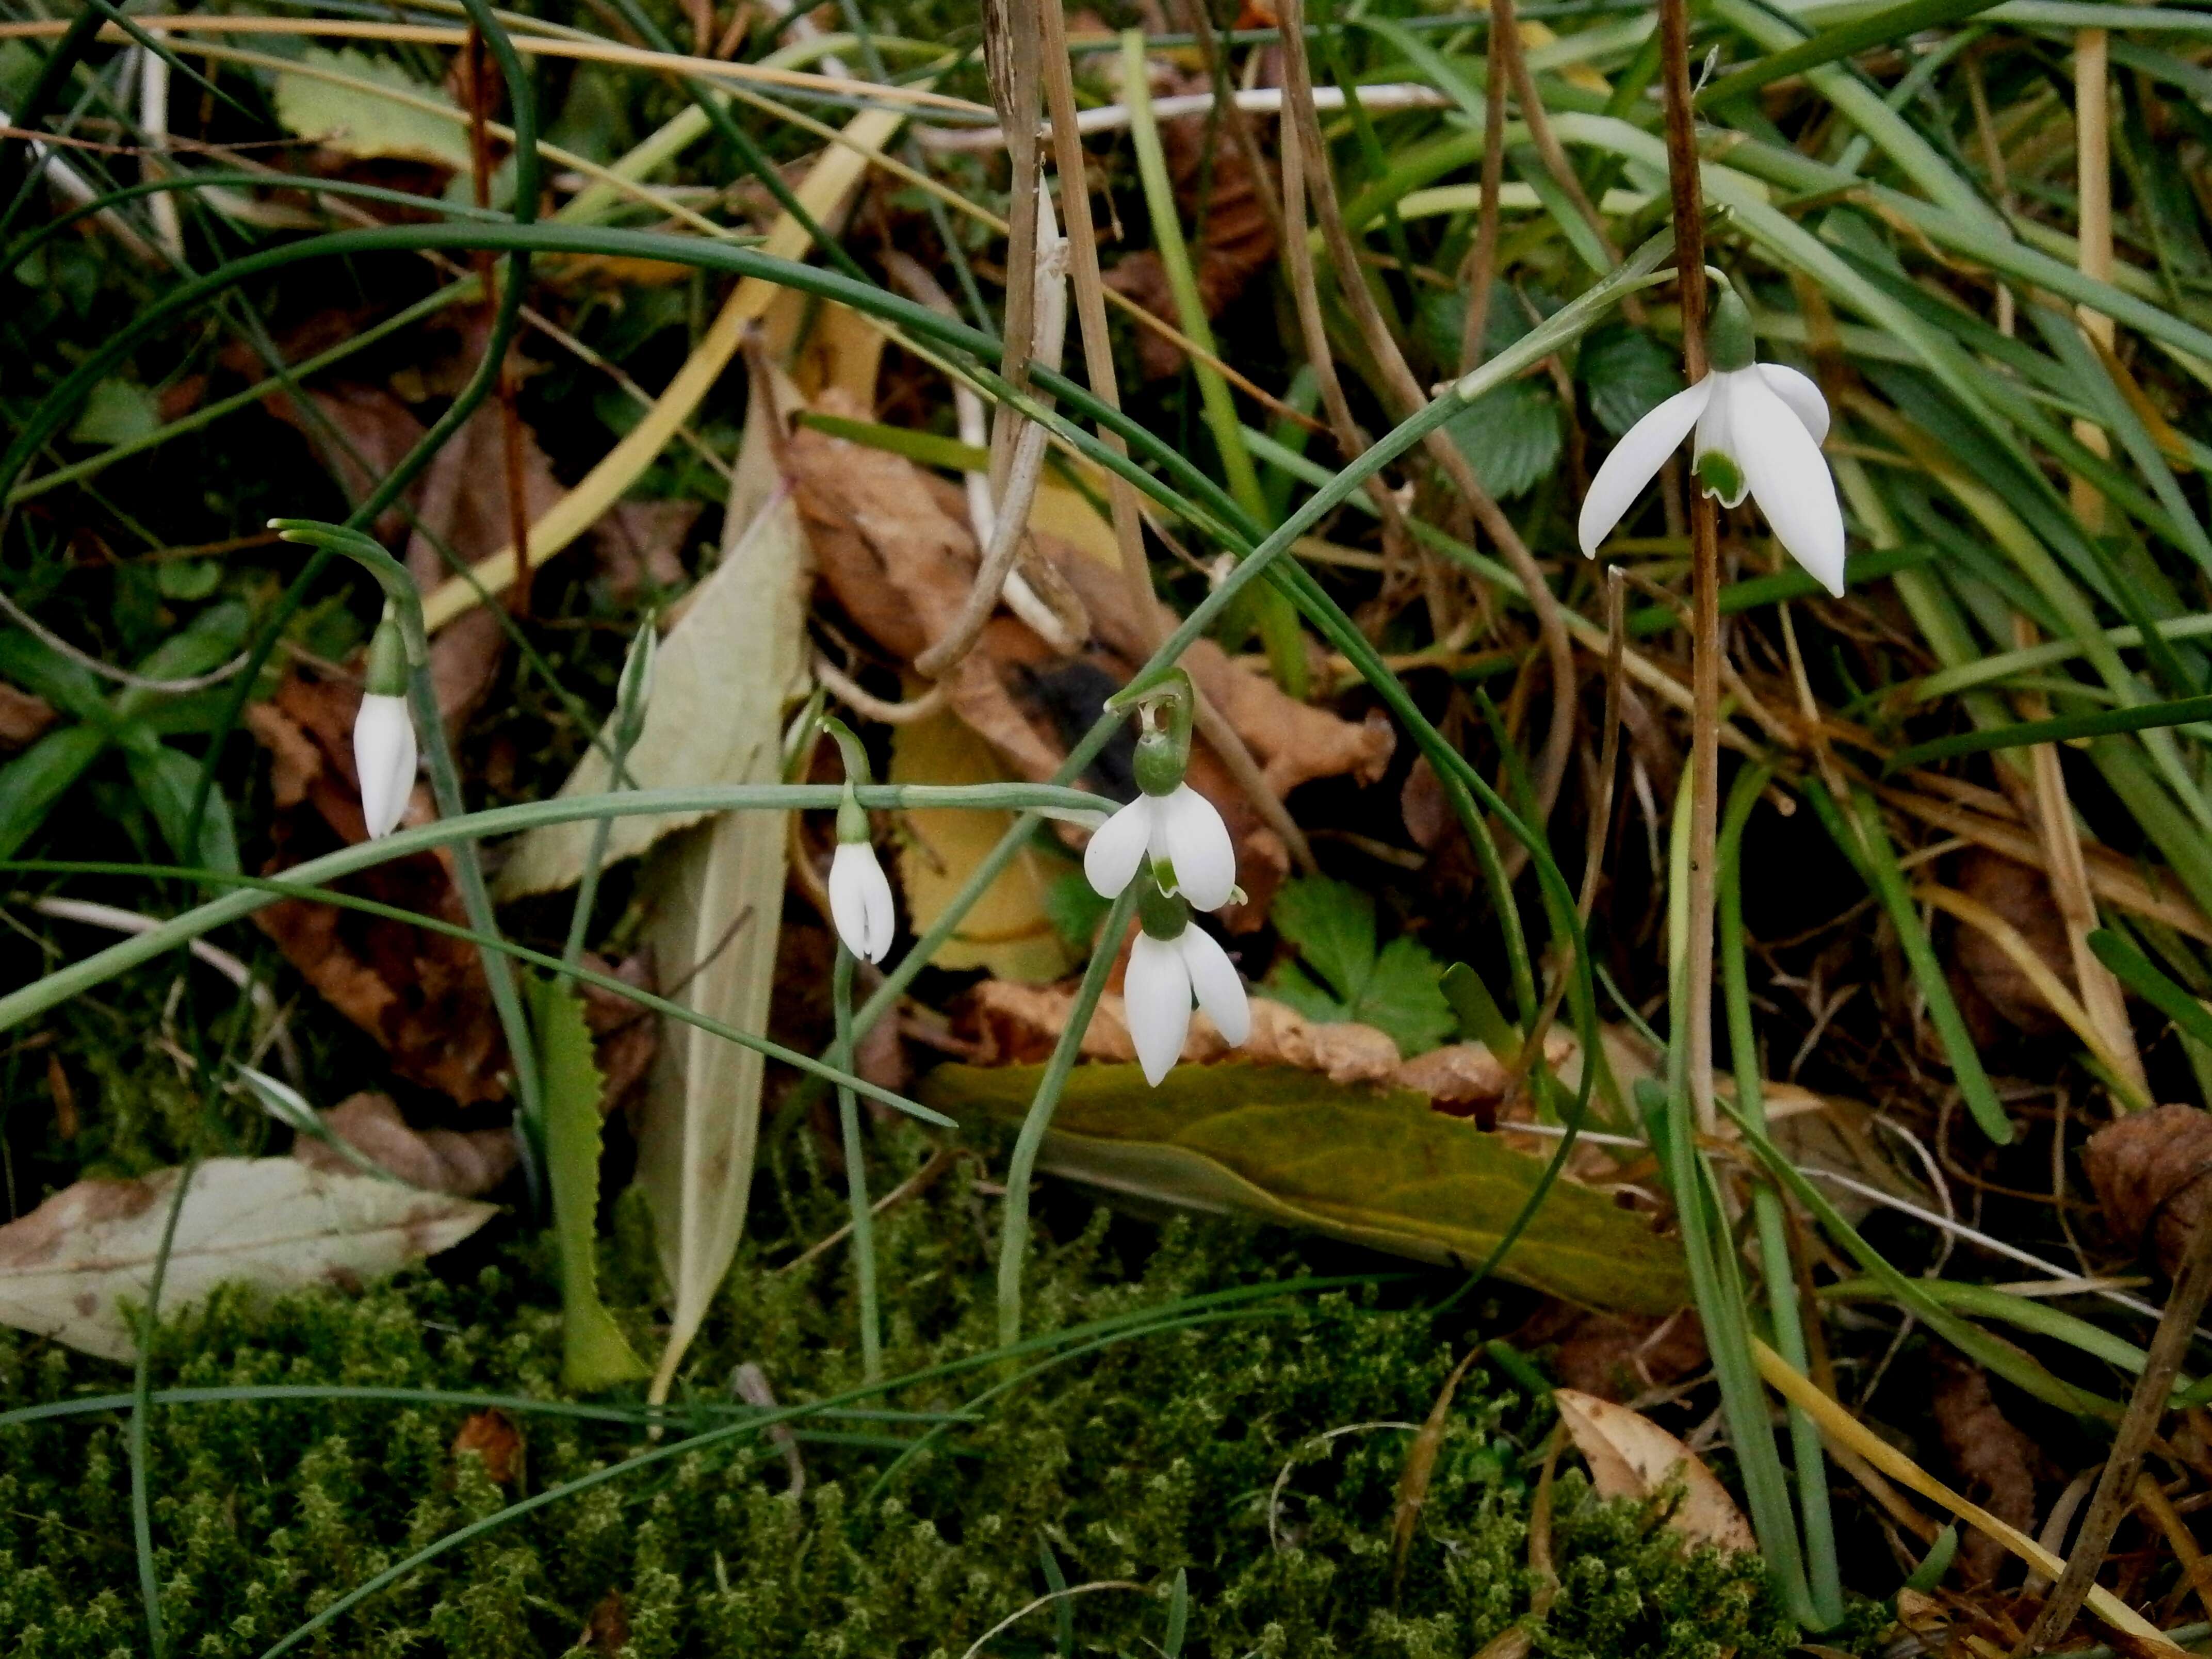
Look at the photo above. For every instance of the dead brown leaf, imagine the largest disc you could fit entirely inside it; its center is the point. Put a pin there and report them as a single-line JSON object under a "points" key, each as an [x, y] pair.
{"points": [[1234, 241], [894, 550], [1616, 1357], [1630, 1457], [625, 1035], [492, 1436], [421, 994], [607, 1631], [464, 1163], [2150, 1170], [24, 717], [2021, 895], [1994, 1459], [639, 546]]}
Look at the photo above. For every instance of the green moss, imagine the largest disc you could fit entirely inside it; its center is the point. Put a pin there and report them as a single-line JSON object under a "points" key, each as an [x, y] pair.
{"points": [[1195, 1448]]}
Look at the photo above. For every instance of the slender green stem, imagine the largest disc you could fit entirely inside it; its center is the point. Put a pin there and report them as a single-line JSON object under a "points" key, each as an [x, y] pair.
{"points": [[142, 1508], [1823, 1571], [856, 1173], [1014, 1224]]}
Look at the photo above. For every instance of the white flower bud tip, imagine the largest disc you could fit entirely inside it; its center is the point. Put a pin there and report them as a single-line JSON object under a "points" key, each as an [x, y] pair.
{"points": [[384, 756], [861, 901]]}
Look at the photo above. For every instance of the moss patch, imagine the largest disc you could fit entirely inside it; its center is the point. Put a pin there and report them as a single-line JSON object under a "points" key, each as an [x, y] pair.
{"points": [[1126, 1460]]}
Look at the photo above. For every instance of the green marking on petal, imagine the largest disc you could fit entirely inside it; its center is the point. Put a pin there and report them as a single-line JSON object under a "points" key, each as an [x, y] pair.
{"points": [[1721, 476]]}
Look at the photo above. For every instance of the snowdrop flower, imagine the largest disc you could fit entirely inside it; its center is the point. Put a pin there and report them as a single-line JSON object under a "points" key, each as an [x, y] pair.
{"points": [[1759, 431], [860, 900], [859, 892], [383, 754], [1169, 823], [1170, 961]]}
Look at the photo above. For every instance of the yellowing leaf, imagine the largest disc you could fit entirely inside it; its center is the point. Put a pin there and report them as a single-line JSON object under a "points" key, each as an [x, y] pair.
{"points": [[1630, 1457], [66, 1267], [1373, 1166], [1009, 930], [358, 121], [594, 1353]]}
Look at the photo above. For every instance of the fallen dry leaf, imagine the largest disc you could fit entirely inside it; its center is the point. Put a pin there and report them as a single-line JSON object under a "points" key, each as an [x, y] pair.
{"points": [[464, 1163], [491, 1437], [894, 549], [67, 1268], [639, 546], [1630, 1457], [1234, 241], [2021, 895], [1017, 1024], [422, 995], [1616, 1357], [1994, 1459], [2149, 1169], [24, 717], [607, 1631], [625, 1035]]}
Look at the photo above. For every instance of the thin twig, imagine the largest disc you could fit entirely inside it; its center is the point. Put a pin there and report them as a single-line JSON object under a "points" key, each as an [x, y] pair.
{"points": [[2115, 1494]]}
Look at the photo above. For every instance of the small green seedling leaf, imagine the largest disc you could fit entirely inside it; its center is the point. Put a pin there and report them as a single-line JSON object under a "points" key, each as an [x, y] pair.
{"points": [[2138, 973], [1397, 990], [1178, 1614], [1480, 1015], [1063, 1612], [1937, 1562]]}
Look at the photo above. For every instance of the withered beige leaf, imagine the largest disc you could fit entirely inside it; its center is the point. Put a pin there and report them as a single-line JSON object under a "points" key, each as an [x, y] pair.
{"points": [[717, 897], [464, 1162], [67, 1268], [1630, 1457]]}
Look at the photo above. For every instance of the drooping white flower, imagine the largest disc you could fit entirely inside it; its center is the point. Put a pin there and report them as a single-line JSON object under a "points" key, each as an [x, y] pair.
{"points": [[861, 901], [384, 757], [1163, 975], [1759, 428], [1184, 837]]}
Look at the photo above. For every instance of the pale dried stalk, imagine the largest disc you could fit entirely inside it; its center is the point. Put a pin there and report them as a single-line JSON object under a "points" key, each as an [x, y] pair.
{"points": [[2053, 822], [1474, 331], [2093, 168], [1406, 395], [1098, 364], [1507, 40]]}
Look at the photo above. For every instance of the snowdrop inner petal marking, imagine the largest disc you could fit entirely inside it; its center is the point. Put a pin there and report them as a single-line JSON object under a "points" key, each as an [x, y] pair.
{"points": [[1119, 847], [1220, 991], [1197, 844], [1636, 459], [1801, 393], [861, 901], [1156, 997], [1789, 477], [1715, 458]]}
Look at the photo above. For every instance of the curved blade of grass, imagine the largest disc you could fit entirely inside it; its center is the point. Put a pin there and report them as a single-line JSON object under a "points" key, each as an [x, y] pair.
{"points": [[2182, 711], [1877, 28]]}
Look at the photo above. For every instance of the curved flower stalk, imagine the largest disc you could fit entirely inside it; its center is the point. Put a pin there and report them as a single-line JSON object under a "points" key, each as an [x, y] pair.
{"points": [[1170, 963], [384, 752], [1759, 428], [861, 901], [1169, 823]]}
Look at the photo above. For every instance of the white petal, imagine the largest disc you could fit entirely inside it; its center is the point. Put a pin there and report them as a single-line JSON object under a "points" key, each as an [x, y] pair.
{"points": [[1789, 479], [1196, 842], [861, 901], [1156, 996], [1119, 847], [384, 756], [1801, 393], [1213, 978], [1717, 428], [1634, 461]]}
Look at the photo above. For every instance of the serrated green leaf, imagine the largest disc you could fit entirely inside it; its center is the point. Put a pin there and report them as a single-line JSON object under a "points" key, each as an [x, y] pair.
{"points": [[1403, 997], [1333, 924], [1398, 991], [1627, 375], [1375, 1167], [594, 1353], [1511, 436], [356, 121]]}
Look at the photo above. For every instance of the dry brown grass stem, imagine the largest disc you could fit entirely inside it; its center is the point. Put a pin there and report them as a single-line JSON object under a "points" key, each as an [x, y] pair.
{"points": [[1090, 296], [2092, 183], [1483, 267], [1406, 396]]}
